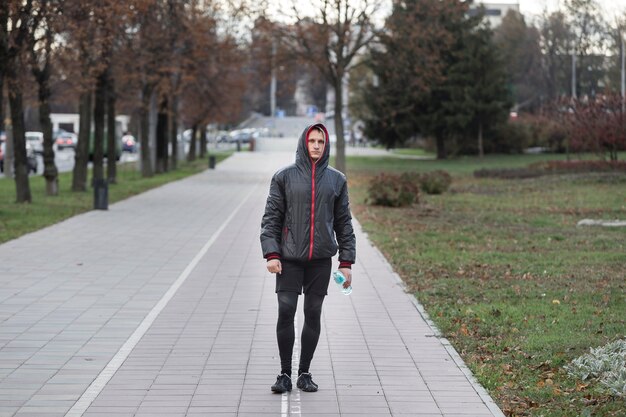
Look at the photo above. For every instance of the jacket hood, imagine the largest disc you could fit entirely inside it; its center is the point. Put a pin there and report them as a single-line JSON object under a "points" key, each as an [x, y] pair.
{"points": [[303, 159]]}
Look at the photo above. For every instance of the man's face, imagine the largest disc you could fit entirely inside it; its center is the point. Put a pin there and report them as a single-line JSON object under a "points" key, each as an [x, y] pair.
{"points": [[316, 144]]}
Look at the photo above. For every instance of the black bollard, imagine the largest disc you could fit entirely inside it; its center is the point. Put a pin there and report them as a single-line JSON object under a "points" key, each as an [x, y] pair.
{"points": [[212, 161], [101, 195], [238, 146]]}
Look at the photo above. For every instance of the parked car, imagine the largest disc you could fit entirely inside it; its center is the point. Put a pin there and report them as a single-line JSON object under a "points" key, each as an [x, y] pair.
{"points": [[185, 136], [129, 144], [222, 137], [31, 158], [36, 141], [65, 140], [243, 135]]}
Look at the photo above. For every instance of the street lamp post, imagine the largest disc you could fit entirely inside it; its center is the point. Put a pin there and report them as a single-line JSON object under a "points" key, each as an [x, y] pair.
{"points": [[273, 89], [623, 70], [574, 73]]}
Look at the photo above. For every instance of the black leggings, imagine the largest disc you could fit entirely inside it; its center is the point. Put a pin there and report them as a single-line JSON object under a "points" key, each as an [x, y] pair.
{"points": [[287, 303]]}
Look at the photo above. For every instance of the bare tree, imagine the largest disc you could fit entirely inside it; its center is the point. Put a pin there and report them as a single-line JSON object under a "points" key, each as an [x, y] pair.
{"points": [[330, 40], [555, 40], [151, 60], [4, 51], [79, 62], [213, 80], [111, 128], [111, 21], [17, 31], [519, 44], [589, 39], [40, 49], [617, 33]]}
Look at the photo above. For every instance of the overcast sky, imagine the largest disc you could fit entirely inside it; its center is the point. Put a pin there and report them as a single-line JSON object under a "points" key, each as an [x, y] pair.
{"points": [[530, 8], [611, 8]]}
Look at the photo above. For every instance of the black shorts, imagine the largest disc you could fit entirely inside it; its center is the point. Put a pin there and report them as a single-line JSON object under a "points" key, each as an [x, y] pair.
{"points": [[313, 276]]}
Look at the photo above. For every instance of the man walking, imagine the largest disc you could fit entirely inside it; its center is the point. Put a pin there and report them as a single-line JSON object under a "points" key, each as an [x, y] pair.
{"points": [[307, 219]]}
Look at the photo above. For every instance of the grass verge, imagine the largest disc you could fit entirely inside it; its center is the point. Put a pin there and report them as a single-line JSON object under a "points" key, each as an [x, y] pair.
{"points": [[507, 276], [19, 219], [412, 152]]}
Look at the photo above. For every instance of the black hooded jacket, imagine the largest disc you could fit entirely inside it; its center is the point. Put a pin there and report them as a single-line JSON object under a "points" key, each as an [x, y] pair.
{"points": [[306, 208]]}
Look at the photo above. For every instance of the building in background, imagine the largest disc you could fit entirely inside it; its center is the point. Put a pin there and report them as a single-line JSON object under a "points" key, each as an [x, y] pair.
{"points": [[70, 121], [494, 12]]}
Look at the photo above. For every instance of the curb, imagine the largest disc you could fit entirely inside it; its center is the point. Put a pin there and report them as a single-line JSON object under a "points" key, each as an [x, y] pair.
{"points": [[482, 393]]}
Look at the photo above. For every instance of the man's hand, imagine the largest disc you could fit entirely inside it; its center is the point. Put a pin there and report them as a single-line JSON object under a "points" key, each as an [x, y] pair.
{"points": [[347, 272], [274, 266]]}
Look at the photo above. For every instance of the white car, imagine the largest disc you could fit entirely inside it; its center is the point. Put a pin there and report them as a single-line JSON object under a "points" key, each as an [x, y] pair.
{"points": [[31, 159], [36, 141]]}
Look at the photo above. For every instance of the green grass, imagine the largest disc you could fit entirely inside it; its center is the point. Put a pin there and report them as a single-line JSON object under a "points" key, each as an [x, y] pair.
{"points": [[508, 277], [19, 219], [412, 152], [461, 165]]}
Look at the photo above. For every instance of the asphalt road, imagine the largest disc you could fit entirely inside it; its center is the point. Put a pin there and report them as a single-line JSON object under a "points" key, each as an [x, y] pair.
{"points": [[64, 160]]}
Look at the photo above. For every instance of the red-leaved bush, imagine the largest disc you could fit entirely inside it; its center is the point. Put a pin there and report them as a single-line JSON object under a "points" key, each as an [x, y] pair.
{"points": [[580, 166], [595, 124]]}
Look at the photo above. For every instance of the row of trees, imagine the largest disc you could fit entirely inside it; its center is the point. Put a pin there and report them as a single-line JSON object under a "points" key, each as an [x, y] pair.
{"points": [[194, 60], [185, 58], [435, 72], [318, 47], [443, 73], [572, 52], [433, 69]]}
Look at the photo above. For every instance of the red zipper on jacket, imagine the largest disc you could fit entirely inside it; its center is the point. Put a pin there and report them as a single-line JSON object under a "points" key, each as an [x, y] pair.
{"points": [[312, 209]]}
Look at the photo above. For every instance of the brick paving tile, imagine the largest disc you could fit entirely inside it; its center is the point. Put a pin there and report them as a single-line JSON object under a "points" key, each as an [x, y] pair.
{"points": [[203, 306]]}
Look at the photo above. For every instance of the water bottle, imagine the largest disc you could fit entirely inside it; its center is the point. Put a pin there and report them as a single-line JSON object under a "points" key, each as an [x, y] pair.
{"points": [[340, 279]]}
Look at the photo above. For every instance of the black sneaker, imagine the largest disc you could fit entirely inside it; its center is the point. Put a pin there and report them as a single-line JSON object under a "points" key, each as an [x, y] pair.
{"points": [[305, 383], [283, 383]]}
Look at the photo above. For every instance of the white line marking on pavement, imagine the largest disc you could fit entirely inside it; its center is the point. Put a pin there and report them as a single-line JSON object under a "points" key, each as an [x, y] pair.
{"points": [[295, 397], [290, 403], [107, 373], [284, 405]]}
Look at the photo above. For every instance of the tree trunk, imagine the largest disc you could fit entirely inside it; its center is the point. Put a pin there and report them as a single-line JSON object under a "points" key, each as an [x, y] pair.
{"points": [[22, 185], [2, 128], [4, 50], [340, 154], [481, 151], [146, 161], [202, 141], [98, 122], [8, 152], [50, 171], [441, 148], [161, 137], [111, 131], [81, 156], [174, 131], [191, 155]]}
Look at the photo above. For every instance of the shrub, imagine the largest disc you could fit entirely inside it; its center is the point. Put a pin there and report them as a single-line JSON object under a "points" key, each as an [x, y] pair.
{"points": [[539, 169], [594, 124], [393, 190], [580, 166], [435, 182], [546, 132], [511, 137], [605, 364]]}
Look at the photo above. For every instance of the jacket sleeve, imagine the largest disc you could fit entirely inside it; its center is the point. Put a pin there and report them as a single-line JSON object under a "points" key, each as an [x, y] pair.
{"points": [[343, 228], [273, 219]]}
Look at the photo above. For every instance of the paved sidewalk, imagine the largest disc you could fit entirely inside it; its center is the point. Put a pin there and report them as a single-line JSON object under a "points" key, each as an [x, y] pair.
{"points": [[161, 306]]}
